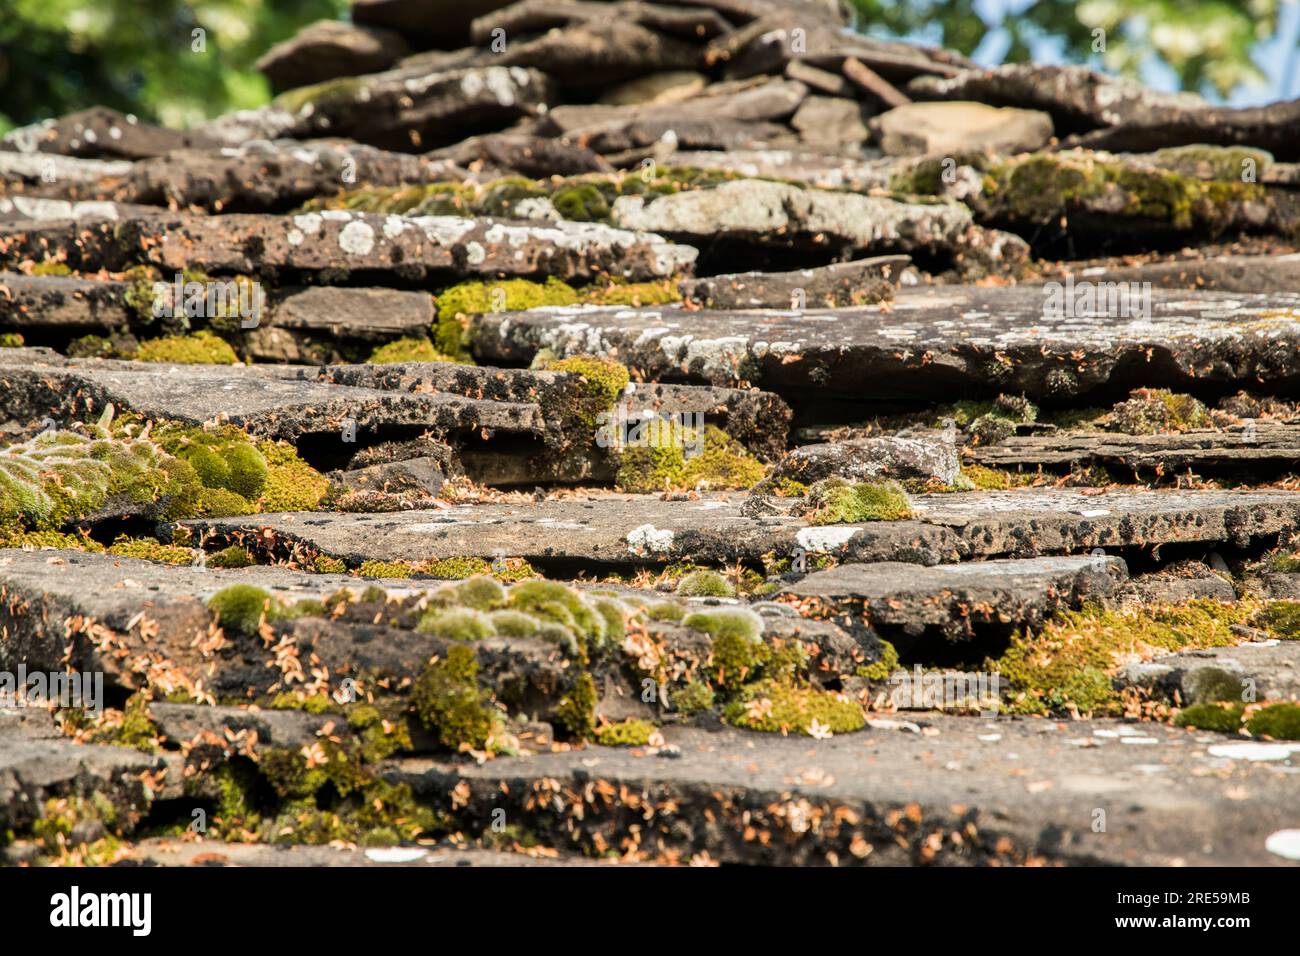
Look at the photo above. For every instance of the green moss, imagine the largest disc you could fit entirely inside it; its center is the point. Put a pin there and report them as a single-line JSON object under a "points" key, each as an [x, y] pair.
{"points": [[836, 501], [723, 464], [995, 479], [705, 583], [197, 348], [552, 601], [1224, 720], [633, 294], [882, 669], [458, 303], [1285, 563], [605, 379], [11, 340], [323, 564], [628, 733], [576, 710], [1043, 187], [1150, 411], [694, 697], [235, 556], [387, 569], [150, 549], [137, 728], [784, 708], [38, 540], [291, 483], [1279, 721], [1281, 619], [729, 621], [220, 503], [582, 203], [666, 611], [1219, 163], [241, 607], [51, 267], [406, 350], [1068, 663], [456, 623], [615, 619], [449, 702], [481, 592], [509, 623]]}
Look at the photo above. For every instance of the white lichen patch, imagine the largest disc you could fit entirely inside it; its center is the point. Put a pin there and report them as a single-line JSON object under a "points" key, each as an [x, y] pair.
{"points": [[357, 238], [647, 539]]}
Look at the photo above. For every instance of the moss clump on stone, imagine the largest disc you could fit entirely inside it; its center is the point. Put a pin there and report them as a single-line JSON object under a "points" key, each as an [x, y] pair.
{"points": [[693, 698], [1043, 187], [667, 611], [509, 623], [995, 479], [1281, 619], [11, 340], [552, 601], [449, 702], [1224, 720], [387, 569], [723, 464], [1279, 721], [221, 457], [836, 501], [1285, 563], [406, 350], [324, 564], [605, 379], [1067, 665], [197, 348], [576, 710], [728, 621], [881, 669], [628, 733], [291, 483], [784, 708], [150, 549], [480, 592], [242, 607], [1151, 411], [456, 624], [460, 302], [235, 556], [633, 294], [705, 583], [990, 422]]}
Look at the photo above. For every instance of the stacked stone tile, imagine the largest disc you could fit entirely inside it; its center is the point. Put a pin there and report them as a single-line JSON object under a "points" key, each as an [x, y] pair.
{"points": [[535, 392]]}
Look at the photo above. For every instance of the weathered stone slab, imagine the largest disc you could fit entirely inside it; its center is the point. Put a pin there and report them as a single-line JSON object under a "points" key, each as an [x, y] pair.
{"points": [[599, 52], [268, 401], [1078, 98], [416, 109], [1029, 791], [328, 49], [957, 599], [832, 123], [816, 169], [166, 851], [98, 133], [337, 242], [53, 172], [967, 341], [524, 154], [1280, 273], [62, 302], [1270, 127], [919, 455], [267, 177], [640, 529], [1251, 671], [1254, 445], [952, 128], [443, 23], [35, 209], [846, 283]]}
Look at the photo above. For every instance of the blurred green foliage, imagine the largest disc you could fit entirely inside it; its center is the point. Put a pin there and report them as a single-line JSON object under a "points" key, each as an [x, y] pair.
{"points": [[141, 56], [1206, 43]]}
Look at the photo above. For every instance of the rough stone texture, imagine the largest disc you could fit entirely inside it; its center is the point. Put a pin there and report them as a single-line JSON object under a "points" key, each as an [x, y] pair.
{"points": [[98, 133], [1255, 447], [945, 129], [1269, 127], [523, 154], [328, 49], [941, 341], [766, 212], [1269, 669], [816, 169], [338, 243], [1078, 98], [1028, 789], [415, 109], [1218, 273], [845, 283], [268, 401], [958, 599], [639, 529], [923, 456], [61, 302], [429, 22], [831, 123], [267, 177]]}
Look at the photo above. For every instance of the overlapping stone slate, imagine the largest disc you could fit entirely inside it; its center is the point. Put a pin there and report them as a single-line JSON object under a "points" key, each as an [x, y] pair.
{"points": [[340, 243], [275, 402], [613, 530], [845, 283], [1028, 793], [62, 302], [957, 599], [1215, 273], [1254, 447], [922, 455], [98, 133], [954, 341], [328, 49], [1251, 671]]}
